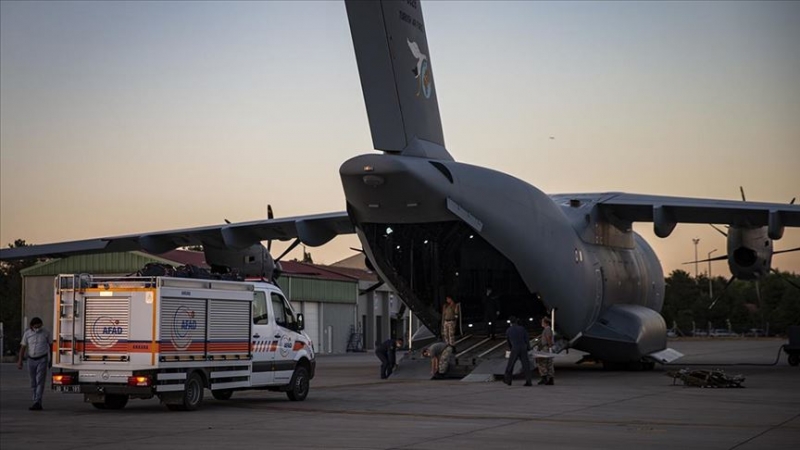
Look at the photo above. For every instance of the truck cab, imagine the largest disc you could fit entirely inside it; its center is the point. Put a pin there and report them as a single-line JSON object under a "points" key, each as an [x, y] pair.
{"points": [[280, 347]]}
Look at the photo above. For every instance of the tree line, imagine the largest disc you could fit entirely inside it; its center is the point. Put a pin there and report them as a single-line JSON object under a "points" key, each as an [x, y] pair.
{"points": [[772, 304], [11, 299]]}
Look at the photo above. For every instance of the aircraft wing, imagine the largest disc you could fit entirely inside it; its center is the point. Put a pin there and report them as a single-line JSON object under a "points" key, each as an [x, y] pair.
{"points": [[312, 230], [665, 212]]}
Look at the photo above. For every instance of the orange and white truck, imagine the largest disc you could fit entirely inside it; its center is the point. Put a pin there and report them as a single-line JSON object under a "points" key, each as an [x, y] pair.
{"points": [[143, 337]]}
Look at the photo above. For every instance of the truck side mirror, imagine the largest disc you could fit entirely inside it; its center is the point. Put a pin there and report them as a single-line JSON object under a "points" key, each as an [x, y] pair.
{"points": [[301, 325]]}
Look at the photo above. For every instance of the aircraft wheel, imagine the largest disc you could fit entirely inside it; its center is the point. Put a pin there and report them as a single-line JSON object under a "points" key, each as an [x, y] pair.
{"points": [[298, 388], [794, 360]]}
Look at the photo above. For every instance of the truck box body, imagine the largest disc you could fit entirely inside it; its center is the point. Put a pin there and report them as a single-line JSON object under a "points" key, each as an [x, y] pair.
{"points": [[141, 337]]}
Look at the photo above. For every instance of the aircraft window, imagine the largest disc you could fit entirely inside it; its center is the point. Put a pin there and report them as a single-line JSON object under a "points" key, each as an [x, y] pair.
{"points": [[260, 314], [441, 168]]}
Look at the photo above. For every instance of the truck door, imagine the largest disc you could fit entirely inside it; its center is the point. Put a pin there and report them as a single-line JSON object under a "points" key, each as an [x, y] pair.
{"points": [[285, 333], [263, 342]]}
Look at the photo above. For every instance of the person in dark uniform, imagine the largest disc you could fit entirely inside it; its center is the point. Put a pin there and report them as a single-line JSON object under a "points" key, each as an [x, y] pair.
{"points": [[518, 341], [387, 353], [490, 312]]}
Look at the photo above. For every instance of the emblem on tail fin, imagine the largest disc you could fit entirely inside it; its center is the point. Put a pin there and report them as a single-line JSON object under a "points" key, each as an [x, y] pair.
{"points": [[421, 73]]}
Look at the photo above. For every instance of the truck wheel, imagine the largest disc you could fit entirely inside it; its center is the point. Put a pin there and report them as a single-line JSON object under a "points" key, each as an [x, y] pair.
{"points": [[794, 360], [298, 388], [222, 394], [192, 395]]}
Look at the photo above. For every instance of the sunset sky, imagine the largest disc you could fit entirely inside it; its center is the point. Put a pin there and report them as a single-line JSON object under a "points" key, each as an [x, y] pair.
{"points": [[126, 117]]}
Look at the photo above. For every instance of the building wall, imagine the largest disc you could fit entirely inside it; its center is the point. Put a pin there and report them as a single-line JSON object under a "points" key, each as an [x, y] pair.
{"points": [[334, 324], [376, 310], [38, 299], [338, 322]]}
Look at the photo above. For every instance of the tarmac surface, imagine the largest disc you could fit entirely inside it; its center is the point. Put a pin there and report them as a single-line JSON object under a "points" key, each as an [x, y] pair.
{"points": [[350, 408]]}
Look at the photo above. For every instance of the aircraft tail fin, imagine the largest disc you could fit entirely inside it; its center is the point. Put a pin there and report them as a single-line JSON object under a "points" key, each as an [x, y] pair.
{"points": [[396, 77]]}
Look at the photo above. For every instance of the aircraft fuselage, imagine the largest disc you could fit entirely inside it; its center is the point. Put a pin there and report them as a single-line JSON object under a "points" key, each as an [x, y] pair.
{"points": [[433, 228]]}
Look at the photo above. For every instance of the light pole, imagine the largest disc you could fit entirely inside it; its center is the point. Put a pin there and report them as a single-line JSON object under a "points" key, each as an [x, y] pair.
{"points": [[696, 241], [710, 286]]}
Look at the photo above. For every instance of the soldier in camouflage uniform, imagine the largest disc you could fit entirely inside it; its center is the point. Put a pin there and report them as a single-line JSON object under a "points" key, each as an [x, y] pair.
{"points": [[545, 365], [440, 354], [450, 311]]}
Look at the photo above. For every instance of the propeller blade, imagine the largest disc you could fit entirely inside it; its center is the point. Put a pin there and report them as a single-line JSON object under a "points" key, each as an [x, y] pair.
{"points": [[270, 216], [793, 199], [741, 189], [720, 231], [291, 247], [719, 296], [786, 251], [780, 275], [371, 288], [359, 250], [226, 220], [716, 258]]}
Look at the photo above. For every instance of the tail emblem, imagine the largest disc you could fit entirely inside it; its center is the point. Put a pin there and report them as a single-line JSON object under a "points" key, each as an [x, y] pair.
{"points": [[421, 72]]}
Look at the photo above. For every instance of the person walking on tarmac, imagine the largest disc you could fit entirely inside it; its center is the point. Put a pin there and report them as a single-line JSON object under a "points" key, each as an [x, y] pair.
{"points": [[518, 342], [387, 353], [36, 346], [450, 311]]}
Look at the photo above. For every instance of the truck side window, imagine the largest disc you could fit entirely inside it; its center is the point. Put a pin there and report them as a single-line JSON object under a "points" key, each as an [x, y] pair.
{"points": [[260, 315], [283, 314], [277, 308]]}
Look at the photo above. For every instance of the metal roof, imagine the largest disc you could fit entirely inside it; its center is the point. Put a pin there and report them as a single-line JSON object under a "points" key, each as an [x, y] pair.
{"points": [[104, 263], [302, 282]]}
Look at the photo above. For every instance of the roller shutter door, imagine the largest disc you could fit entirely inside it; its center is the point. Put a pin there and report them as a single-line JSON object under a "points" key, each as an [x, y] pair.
{"points": [[310, 312]]}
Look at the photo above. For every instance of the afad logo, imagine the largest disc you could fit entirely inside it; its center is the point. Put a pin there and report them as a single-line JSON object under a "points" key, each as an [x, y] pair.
{"points": [[285, 345], [106, 331], [183, 323], [422, 71]]}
